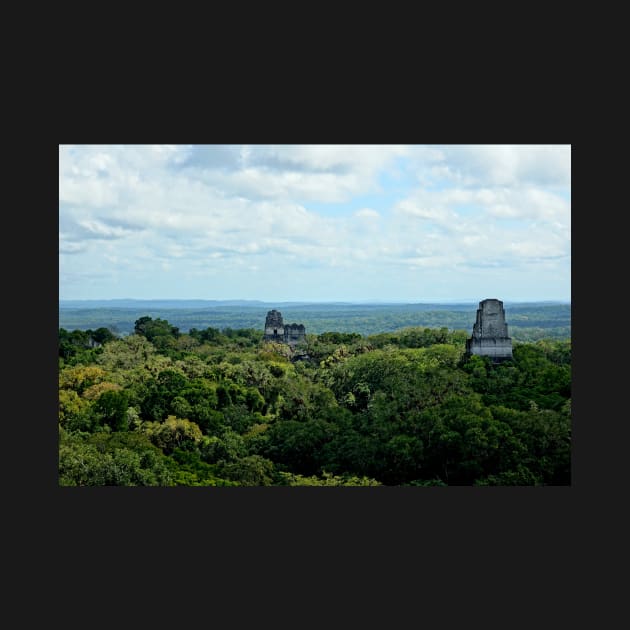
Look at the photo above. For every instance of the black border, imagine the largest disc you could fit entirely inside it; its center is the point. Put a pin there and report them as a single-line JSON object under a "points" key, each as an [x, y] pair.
{"points": [[489, 534]]}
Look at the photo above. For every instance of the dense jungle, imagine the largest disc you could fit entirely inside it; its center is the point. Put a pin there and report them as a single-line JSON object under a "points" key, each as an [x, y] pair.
{"points": [[222, 407]]}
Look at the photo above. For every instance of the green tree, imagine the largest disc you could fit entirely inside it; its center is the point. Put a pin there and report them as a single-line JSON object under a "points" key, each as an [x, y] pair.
{"points": [[327, 479], [252, 470], [109, 461], [173, 433], [298, 446], [103, 335], [111, 408]]}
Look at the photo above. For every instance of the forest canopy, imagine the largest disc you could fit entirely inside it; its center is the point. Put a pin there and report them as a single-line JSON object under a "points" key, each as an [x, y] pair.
{"points": [[222, 407]]}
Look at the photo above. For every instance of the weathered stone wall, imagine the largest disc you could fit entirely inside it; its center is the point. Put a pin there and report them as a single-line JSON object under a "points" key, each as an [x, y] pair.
{"points": [[294, 334], [490, 332], [490, 347], [275, 330], [274, 327]]}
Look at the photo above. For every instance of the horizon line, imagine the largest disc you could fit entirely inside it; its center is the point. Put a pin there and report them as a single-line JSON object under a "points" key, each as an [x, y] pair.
{"points": [[324, 301]]}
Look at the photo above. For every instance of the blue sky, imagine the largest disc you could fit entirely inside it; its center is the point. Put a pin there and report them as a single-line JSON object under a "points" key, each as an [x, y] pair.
{"points": [[400, 223]]}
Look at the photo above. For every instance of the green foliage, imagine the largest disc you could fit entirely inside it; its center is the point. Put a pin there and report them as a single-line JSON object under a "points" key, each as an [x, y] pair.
{"points": [[327, 479], [80, 378], [252, 470], [111, 408], [522, 476], [190, 470], [155, 330], [426, 483], [173, 433], [298, 446], [538, 373], [224, 408], [82, 346], [75, 413], [338, 338], [125, 354], [230, 447], [109, 460]]}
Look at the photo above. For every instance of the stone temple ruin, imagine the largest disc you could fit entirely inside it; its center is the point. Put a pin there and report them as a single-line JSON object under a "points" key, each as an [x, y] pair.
{"points": [[490, 333], [275, 330]]}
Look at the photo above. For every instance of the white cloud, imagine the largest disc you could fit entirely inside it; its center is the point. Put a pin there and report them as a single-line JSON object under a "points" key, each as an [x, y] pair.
{"points": [[101, 230], [70, 248], [501, 165], [195, 212], [367, 213], [356, 158], [439, 214]]}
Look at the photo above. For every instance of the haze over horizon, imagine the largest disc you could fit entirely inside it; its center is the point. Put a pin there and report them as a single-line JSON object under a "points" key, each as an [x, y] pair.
{"points": [[313, 302], [315, 223]]}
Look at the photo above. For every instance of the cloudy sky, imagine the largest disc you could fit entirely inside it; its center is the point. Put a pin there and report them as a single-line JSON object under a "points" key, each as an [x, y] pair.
{"points": [[409, 223]]}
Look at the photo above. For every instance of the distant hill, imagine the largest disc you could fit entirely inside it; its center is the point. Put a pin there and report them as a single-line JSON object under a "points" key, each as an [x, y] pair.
{"points": [[174, 304], [130, 303]]}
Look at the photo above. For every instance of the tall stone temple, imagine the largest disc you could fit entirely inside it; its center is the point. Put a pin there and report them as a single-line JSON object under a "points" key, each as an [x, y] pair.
{"points": [[275, 330], [490, 332]]}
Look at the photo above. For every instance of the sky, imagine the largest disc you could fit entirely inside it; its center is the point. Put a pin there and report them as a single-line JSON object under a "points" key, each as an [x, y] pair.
{"points": [[315, 223]]}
